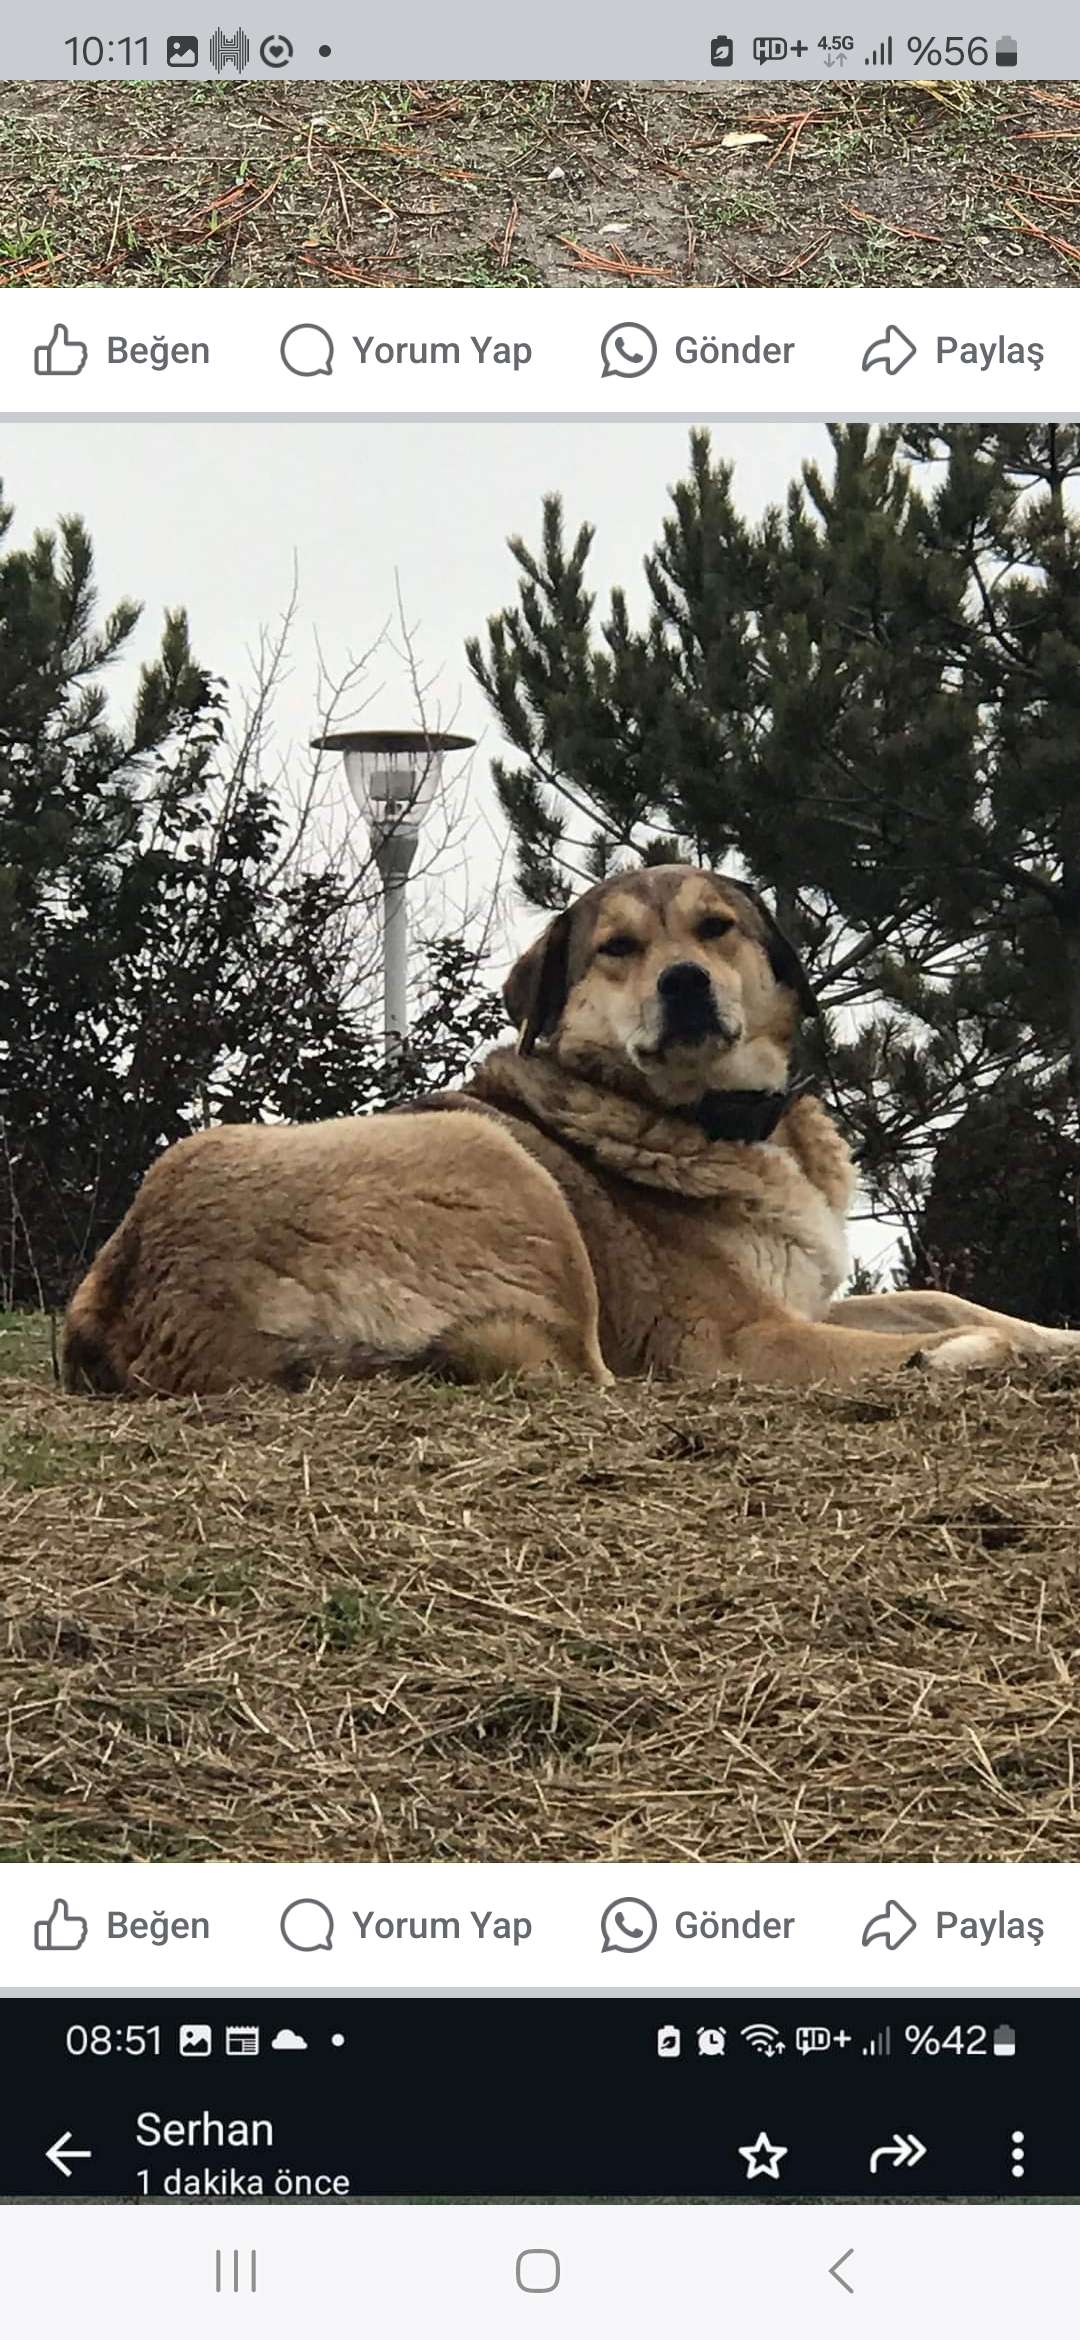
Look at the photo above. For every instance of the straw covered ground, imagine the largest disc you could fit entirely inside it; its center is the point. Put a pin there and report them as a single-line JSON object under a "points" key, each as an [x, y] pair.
{"points": [[411, 1621]]}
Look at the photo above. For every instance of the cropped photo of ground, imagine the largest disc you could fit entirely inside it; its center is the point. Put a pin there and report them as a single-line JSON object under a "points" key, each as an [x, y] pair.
{"points": [[405, 1621], [539, 183]]}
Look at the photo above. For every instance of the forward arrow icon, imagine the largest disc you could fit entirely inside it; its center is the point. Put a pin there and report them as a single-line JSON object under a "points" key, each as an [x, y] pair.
{"points": [[904, 2152]]}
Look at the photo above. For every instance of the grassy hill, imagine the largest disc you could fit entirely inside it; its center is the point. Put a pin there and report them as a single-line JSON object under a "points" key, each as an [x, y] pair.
{"points": [[411, 1621]]}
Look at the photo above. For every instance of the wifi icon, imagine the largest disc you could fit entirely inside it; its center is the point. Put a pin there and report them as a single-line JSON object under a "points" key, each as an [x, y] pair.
{"points": [[764, 2037]]}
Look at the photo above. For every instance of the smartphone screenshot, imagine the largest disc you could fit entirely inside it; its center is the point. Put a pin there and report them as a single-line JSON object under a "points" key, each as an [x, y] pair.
{"points": [[539, 1172]]}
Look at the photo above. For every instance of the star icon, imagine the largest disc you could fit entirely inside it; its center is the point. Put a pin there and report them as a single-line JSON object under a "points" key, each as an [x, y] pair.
{"points": [[762, 2158]]}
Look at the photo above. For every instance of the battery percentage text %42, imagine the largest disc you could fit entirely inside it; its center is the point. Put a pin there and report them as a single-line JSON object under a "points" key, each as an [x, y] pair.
{"points": [[962, 2039]]}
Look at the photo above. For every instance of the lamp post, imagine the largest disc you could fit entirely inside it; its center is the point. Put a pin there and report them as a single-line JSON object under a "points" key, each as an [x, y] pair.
{"points": [[392, 777]]}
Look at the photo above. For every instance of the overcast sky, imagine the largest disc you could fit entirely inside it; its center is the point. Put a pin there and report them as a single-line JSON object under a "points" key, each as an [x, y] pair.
{"points": [[212, 516]]}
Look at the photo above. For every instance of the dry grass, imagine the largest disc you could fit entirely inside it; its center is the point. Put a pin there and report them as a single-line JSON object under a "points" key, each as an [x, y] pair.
{"points": [[408, 1621]]}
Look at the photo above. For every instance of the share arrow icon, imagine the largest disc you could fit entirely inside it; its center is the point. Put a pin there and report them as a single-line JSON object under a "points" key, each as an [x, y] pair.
{"points": [[904, 2152], [892, 1925], [63, 2153], [894, 350]]}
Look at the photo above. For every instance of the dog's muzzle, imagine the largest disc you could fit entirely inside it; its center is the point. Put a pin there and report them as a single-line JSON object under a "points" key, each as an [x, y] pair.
{"points": [[689, 1008]]}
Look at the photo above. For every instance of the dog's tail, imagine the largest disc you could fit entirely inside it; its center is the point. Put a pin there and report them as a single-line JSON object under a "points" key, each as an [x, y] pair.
{"points": [[91, 1353]]}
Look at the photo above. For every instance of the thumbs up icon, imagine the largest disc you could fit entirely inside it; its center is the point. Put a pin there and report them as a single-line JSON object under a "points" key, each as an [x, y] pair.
{"points": [[60, 1930], [60, 354]]}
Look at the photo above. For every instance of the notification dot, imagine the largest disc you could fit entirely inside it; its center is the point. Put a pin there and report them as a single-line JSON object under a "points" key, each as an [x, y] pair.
{"points": [[324, 48]]}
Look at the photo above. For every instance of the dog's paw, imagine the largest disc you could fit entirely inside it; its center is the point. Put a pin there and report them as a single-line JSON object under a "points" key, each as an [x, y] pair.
{"points": [[966, 1352]]}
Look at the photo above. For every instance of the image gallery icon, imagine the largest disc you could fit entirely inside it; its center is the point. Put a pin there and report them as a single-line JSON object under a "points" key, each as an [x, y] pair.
{"points": [[195, 2039], [181, 50]]}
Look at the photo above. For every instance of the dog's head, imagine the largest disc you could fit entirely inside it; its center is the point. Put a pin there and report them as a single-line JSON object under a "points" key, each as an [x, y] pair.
{"points": [[673, 976]]}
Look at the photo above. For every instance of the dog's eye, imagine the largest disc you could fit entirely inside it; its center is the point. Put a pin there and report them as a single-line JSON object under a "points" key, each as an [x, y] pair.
{"points": [[618, 946], [712, 928]]}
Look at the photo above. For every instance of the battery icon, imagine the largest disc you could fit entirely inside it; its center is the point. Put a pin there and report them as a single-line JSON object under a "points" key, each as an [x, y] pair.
{"points": [[1004, 2040], [1006, 52]]}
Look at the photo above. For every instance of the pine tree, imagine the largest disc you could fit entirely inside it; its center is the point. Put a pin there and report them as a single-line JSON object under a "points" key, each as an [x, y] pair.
{"points": [[165, 959], [868, 702], [999, 1223]]}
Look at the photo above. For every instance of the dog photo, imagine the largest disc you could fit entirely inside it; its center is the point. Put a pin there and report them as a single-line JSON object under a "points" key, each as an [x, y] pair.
{"points": [[540, 1129]]}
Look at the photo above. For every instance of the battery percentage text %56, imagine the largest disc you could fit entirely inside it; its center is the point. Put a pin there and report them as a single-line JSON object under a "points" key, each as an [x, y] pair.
{"points": [[936, 49]]}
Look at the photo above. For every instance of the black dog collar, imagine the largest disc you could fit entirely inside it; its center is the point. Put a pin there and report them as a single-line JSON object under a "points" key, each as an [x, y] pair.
{"points": [[745, 1117]]}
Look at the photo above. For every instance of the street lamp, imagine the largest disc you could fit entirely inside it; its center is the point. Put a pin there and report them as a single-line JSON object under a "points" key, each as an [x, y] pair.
{"points": [[392, 777]]}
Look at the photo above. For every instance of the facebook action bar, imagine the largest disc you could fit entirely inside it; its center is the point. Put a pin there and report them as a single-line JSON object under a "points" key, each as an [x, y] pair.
{"points": [[942, 355], [546, 1927]]}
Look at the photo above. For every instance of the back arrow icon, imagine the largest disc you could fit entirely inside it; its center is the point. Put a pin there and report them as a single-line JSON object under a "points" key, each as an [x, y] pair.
{"points": [[904, 2152], [835, 2270], [63, 2152]]}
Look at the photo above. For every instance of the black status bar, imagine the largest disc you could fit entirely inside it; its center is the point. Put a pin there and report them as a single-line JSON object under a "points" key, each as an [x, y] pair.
{"points": [[301, 2099]]}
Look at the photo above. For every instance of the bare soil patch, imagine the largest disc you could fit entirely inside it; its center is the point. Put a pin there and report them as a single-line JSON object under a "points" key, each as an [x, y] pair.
{"points": [[539, 183]]}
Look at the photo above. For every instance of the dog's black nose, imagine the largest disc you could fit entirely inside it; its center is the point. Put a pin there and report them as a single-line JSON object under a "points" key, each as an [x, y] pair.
{"points": [[686, 996], [684, 984]]}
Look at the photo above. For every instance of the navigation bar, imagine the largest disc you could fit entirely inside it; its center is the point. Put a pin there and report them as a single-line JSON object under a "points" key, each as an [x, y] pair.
{"points": [[565, 2270]]}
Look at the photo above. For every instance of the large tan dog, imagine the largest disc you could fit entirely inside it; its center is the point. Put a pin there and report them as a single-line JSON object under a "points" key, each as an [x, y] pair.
{"points": [[637, 1187]]}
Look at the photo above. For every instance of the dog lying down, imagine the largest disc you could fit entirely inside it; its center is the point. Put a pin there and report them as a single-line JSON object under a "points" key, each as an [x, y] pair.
{"points": [[637, 1188]]}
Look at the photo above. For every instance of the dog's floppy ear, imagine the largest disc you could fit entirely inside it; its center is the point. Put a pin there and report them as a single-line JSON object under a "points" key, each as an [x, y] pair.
{"points": [[783, 956], [535, 989]]}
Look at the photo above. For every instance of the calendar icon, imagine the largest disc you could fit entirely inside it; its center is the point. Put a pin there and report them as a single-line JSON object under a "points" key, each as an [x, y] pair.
{"points": [[241, 2039]]}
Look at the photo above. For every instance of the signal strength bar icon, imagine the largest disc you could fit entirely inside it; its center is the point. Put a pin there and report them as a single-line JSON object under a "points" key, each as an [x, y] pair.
{"points": [[229, 49], [882, 55], [880, 2044]]}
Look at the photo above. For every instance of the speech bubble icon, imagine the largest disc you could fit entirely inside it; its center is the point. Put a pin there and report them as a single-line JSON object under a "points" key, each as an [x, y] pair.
{"points": [[307, 350], [627, 350], [308, 1925], [628, 1924]]}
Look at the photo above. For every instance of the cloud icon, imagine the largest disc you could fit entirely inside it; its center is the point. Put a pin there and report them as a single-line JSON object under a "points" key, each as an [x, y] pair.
{"points": [[287, 2039]]}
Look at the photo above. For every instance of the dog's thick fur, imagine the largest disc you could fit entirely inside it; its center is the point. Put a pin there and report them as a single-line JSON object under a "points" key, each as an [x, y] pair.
{"points": [[601, 1201]]}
